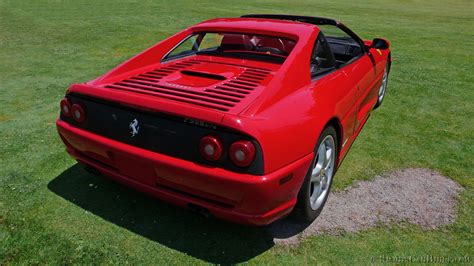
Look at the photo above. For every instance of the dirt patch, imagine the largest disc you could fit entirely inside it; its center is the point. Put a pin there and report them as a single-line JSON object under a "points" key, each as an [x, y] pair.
{"points": [[418, 196]]}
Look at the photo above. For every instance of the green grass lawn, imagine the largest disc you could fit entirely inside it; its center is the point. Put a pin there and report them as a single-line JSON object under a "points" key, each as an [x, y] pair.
{"points": [[51, 211]]}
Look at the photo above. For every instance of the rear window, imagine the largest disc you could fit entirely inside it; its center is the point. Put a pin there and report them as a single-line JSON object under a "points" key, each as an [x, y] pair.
{"points": [[242, 45]]}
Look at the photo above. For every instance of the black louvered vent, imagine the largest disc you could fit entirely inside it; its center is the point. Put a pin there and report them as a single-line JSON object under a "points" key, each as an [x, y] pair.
{"points": [[221, 97], [243, 84]]}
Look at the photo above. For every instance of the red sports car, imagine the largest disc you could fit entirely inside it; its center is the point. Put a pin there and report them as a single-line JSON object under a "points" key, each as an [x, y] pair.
{"points": [[246, 119]]}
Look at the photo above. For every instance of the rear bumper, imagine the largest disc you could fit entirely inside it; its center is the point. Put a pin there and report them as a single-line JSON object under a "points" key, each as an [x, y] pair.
{"points": [[241, 198]]}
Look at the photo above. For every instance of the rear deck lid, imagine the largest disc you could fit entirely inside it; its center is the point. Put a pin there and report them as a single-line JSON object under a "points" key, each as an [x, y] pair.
{"points": [[219, 84]]}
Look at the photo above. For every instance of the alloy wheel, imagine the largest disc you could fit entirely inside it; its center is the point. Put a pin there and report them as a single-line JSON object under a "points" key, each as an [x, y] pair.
{"points": [[383, 86], [322, 173]]}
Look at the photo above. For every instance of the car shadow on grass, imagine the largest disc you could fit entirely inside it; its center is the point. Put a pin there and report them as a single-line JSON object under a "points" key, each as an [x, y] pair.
{"points": [[211, 240]]}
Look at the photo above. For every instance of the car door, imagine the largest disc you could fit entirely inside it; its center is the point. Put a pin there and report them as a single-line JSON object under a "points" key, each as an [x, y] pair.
{"points": [[361, 72], [351, 58], [334, 86]]}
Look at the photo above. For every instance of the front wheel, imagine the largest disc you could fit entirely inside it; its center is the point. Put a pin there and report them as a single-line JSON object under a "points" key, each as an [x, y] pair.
{"points": [[383, 87], [317, 184]]}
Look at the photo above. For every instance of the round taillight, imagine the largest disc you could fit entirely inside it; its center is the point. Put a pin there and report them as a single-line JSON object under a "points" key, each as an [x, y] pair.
{"points": [[210, 148], [65, 107], [242, 153], [78, 113]]}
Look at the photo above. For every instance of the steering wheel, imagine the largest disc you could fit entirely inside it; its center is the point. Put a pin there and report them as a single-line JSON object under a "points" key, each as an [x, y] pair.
{"points": [[274, 50], [269, 50]]}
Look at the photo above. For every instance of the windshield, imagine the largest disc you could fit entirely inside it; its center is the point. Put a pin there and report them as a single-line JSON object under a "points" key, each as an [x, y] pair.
{"points": [[242, 45]]}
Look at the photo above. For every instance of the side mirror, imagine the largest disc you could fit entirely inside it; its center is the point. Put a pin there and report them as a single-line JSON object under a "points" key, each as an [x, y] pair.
{"points": [[381, 44]]}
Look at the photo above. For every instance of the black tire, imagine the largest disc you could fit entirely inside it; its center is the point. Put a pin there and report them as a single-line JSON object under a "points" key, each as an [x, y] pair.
{"points": [[380, 100], [303, 211]]}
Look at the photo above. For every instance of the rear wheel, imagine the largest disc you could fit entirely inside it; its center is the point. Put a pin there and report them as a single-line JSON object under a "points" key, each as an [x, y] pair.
{"points": [[317, 184]]}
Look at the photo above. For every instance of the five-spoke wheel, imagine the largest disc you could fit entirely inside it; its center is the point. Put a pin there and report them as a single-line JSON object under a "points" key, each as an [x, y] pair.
{"points": [[383, 87], [315, 189], [322, 173]]}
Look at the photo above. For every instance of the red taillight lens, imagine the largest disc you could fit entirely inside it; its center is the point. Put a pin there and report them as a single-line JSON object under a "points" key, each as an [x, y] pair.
{"points": [[78, 113], [66, 107], [210, 148], [242, 153]]}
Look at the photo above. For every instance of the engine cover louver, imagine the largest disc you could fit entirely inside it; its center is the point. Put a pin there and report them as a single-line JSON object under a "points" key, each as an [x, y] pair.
{"points": [[223, 95]]}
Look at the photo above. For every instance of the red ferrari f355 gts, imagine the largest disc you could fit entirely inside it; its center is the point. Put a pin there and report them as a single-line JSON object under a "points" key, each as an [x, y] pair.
{"points": [[246, 119]]}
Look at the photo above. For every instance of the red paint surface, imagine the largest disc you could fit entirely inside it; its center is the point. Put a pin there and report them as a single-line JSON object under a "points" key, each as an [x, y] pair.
{"points": [[285, 111]]}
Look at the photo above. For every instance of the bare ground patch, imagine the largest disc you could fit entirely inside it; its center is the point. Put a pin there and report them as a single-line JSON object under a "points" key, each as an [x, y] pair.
{"points": [[418, 196]]}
